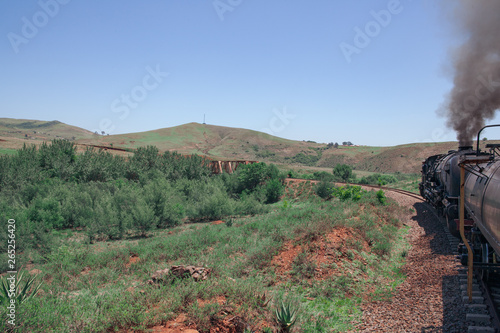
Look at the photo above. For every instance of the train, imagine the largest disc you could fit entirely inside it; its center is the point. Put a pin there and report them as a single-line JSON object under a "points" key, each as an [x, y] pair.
{"points": [[440, 187]]}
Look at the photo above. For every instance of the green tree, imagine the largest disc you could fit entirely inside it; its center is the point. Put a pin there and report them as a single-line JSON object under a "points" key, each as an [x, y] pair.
{"points": [[343, 172], [274, 191]]}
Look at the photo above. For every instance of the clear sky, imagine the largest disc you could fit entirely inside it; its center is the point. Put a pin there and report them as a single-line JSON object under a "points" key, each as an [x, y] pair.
{"points": [[369, 72]]}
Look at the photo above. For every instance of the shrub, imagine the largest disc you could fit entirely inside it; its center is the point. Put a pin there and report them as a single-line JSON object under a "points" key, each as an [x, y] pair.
{"points": [[343, 172], [274, 191], [324, 189], [323, 175], [347, 192], [106, 222], [378, 179], [309, 160], [213, 207], [251, 175], [143, 217], [47, 213], [166, 202], [381, 197], [249, 205]]}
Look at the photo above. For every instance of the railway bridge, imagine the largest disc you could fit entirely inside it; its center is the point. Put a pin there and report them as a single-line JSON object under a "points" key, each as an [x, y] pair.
{"points": [[219, 167]]}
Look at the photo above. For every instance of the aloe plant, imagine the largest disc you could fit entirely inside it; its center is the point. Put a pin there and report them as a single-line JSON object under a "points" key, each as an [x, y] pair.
{"points": [[24, 293], [285, 317]]}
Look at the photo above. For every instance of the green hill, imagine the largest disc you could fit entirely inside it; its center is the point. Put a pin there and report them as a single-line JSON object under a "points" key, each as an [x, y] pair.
{"points": [[16, 132], [226, 143]]}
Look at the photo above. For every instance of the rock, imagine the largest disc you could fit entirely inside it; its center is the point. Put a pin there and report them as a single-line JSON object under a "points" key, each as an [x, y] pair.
{"points": [[180, 271], [159, 276], [197, 273]]}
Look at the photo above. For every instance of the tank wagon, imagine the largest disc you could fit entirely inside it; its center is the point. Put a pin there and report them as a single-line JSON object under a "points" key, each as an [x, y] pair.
{"points": [[440, 187]]}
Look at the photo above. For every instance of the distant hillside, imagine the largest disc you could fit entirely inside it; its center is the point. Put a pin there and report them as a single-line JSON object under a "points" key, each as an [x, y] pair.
{"points": [[224, 143], [213, 141], [16, 132], [228, 143]]}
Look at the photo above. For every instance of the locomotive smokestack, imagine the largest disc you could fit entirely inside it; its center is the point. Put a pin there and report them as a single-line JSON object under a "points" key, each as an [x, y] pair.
{"points": [[476, 93], [462, 148]]}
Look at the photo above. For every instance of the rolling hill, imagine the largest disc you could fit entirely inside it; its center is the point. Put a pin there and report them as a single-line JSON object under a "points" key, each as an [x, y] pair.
{"points": [[226, 143], [14, 133]]}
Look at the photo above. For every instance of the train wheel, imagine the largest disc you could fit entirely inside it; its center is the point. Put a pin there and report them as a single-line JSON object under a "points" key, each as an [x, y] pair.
{"points": [[452, 226]]}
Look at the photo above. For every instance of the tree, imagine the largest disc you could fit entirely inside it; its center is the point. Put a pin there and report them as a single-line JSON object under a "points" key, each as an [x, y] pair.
{"points": [[336, 145], [343, 172]]}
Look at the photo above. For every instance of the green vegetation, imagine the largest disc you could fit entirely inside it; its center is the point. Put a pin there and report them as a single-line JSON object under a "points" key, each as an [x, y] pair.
{"points": [[25, 290], [80, 219], [307, 159], [7, 151], [110, 198], [343, 172], [285, 317]]}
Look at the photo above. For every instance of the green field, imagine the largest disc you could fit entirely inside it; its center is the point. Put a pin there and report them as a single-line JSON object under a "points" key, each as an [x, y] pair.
{"points": [[92, 228]]}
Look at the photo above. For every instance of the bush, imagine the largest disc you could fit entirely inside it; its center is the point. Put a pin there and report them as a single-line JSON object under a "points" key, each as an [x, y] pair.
{"points": [[274, 191], [309, 160], [324, 189], [378, 179], [381, 197], [323, 175], [347, 192], [143, 217], [213, 207], [251, 175], [343, 172], [106, 222], [46, 212]]}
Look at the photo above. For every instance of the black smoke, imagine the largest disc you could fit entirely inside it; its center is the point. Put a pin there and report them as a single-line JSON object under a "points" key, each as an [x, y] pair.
{"points": [[475, 96]]}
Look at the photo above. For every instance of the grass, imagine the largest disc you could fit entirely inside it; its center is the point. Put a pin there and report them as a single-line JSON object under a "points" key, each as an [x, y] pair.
{"points": [[7, 151], [95, 288]]}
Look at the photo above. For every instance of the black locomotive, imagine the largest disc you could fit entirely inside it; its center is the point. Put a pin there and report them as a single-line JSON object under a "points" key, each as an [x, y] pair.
{"points": [[440, 187]]}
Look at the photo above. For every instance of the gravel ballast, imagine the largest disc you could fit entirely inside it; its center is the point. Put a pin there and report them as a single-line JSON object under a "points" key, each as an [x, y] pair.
{"points": [[430, 299]]}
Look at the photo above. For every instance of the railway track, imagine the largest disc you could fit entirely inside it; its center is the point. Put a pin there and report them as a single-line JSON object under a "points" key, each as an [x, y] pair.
{"points": [[484, 310], [376, 187]]}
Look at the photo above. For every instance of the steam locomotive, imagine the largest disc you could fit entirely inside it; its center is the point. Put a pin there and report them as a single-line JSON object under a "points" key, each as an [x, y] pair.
{"points": [[440, 187]]}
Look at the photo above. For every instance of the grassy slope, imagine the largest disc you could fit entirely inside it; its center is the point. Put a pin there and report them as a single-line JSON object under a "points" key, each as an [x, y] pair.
{"points": [[96, 287], [228, 143], [16, 132], [215, 141]]}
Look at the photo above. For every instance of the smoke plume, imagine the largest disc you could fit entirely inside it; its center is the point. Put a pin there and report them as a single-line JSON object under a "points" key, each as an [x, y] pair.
{"points": [[475, 96]]}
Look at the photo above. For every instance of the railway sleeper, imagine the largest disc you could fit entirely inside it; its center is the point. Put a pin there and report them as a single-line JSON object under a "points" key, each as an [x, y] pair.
{"points": [[478, 312]]}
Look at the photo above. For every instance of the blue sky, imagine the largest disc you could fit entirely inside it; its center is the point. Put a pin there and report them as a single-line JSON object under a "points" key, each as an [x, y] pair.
{"points": [[296, 69]]}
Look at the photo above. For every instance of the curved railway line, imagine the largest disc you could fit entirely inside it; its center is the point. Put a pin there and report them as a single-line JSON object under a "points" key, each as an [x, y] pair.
{"points": [[484, 309], [483, 312]]}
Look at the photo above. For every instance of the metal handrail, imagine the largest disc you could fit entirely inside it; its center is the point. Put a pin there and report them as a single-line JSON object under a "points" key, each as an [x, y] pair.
{"points": [[478, 133]]}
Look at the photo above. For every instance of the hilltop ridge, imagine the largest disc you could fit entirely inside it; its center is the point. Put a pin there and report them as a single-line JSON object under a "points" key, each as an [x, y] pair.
{"points": [[228, 143]]}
